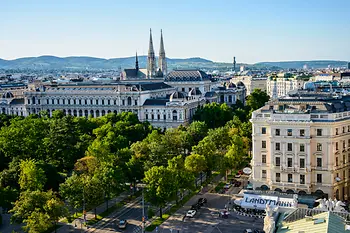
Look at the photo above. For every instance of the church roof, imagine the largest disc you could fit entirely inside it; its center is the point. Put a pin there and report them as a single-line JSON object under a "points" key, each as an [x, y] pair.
{"points": [[186, 75]]}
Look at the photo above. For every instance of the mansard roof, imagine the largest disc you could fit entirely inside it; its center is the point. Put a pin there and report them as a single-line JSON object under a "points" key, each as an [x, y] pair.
{"points": [[17, 101], [156, 102], [186, 76]]}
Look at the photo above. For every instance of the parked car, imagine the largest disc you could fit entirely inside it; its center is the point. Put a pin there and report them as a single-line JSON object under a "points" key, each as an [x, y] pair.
{"points": [[227, 186], [240, 172], [191, 213], [122, 224], [248, 231], [202, 201], [237, 183], [237, 176]]}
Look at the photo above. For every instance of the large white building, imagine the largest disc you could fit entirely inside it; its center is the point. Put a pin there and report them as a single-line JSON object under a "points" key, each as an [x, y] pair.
{"points": [[281, 84], [249, 82], [164, 99], [301, 144]]}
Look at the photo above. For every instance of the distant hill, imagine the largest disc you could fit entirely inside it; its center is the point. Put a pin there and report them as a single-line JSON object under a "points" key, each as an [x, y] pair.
{"points": [[90, 63], [300, 64], [52, 62]]}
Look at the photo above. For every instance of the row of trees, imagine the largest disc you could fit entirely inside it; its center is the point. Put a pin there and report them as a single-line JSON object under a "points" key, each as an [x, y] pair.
{"points": [[85, 161]]}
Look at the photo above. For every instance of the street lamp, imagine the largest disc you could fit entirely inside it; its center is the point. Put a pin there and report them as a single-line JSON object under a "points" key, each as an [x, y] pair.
{"points": [[143, 206]]}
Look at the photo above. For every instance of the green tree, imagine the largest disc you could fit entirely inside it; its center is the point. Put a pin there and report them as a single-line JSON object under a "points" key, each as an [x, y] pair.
{"points": [[39, 210], [184, 179], [196, 164], [72, 191], [214, 114], [257, 99], [55, 209], [161, 186], [31, 176]]}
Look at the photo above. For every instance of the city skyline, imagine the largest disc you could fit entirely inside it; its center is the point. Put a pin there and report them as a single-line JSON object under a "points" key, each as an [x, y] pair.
{"points": [[253, 32]]}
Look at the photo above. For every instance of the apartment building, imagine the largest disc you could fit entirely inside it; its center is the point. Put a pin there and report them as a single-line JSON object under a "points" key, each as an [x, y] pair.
{"points": [[281, 84], [301, 144]]}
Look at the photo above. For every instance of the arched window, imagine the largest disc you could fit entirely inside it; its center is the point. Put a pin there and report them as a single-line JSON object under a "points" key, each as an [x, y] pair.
{"points": [[74, 102], [91, 101], [75, 112], [129, 100], [33, 100], [69, 112], [52, 101], [69, 102], [85, 101], [47, 101], [174, 115], [103, 102], [79, 101], [103, 112], [63, 101], [92, 113], [86, 113], [80, 113], [97, 113], [109, 102]]}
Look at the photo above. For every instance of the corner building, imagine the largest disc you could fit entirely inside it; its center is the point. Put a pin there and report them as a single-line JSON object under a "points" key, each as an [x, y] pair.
{"points": [[301, 144]]}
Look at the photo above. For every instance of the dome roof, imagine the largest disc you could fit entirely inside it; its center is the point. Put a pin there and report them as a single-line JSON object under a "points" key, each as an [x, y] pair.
{"points": [[309, 86], [231, 85], [177, 95], [194, 91], [7, 95]]}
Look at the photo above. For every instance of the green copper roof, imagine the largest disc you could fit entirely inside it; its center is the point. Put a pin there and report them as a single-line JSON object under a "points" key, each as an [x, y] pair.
{"points": [[325, 222]]}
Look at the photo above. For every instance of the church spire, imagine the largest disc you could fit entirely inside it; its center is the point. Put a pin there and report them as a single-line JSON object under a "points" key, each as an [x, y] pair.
{"points": [[151, 59], [137, 63], [162, 59]]}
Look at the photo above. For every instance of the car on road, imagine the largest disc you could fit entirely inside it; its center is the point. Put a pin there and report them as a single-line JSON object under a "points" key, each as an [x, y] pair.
{"points": [[237, 176], [122, 224], [191, 213], [202, 201], [248, 231]]}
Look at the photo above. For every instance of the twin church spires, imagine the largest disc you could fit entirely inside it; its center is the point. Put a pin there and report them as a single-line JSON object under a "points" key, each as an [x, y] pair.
{"points": [[151, 59]]}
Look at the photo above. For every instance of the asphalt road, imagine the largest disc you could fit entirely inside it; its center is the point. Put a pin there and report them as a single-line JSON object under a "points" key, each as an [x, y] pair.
{"points": [[132, 214]]}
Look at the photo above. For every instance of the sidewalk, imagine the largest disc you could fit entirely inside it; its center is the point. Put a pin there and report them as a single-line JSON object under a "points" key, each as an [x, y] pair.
{"points": [[70, 227]]}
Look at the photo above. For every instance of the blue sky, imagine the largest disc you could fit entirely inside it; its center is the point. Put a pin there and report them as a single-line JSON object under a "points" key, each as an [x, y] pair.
{"points": [[251, 30]]}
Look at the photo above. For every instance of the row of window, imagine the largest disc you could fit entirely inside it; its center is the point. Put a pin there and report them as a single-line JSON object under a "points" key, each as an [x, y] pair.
{"points": [[301, 161], [302, 146], [319, 132], [164, 116], [290, 177], [127, 102], [290, 161]]}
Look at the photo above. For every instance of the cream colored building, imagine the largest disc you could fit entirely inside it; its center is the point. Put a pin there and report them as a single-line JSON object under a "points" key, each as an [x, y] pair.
{"points": [[281, 84], [250, 82], [302, 145]]}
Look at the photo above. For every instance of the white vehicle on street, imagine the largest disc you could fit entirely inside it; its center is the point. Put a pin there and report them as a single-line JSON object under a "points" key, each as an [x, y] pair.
{"points": [[191, 213]]}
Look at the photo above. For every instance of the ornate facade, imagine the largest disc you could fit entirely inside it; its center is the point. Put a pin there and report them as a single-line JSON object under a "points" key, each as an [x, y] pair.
{"points": [[301, 144], [158, 103]]}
